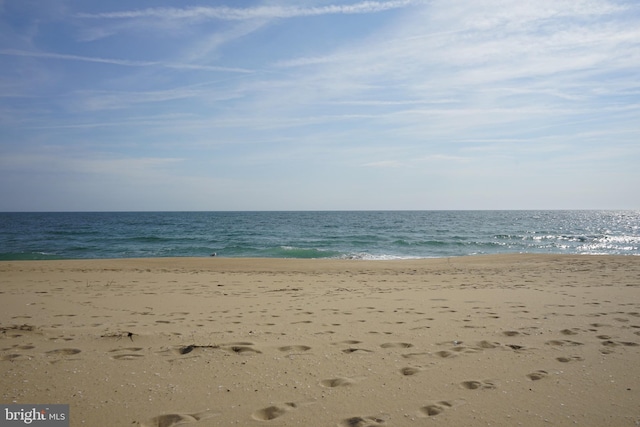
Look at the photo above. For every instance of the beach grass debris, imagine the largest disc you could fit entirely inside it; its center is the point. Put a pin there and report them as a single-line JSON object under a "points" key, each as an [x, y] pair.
{"points": [[189, 348], [118, 335]]}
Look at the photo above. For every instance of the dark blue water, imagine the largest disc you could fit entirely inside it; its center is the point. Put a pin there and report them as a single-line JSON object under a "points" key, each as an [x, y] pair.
{"points": [[361, 235]]}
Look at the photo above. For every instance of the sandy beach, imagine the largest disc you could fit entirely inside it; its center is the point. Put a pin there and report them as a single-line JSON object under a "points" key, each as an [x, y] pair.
{"points": [[508, 340]]}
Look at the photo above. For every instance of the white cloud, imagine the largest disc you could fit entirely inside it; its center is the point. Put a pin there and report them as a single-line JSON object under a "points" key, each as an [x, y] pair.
{"points": [[109, 100], [60, 162], [122, 62], [261, 12], [536, 51]]}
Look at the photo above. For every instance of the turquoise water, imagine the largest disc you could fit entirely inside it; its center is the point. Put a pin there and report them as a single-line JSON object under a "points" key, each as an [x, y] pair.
{"points": [[358, 235]]}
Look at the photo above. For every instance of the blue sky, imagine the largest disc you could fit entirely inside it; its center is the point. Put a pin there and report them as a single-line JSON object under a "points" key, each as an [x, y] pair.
{"points": [[322, 105]]}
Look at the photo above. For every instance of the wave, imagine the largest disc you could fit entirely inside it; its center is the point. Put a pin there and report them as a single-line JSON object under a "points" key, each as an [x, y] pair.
{"points": [[425, 243], [282, 251], [294, 252], [383, 257], [29, 256], [150, 239]]}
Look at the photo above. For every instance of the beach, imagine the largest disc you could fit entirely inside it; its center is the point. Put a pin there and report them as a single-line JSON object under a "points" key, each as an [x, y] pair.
{"points": [[500, 340]]}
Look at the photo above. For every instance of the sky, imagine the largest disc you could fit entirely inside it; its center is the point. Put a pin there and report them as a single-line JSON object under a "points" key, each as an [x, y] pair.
{"points": [[319, 105]]}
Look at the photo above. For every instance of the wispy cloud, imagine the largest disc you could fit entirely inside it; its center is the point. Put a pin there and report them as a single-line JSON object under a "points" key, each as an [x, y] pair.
{"points": [[121, 62], [548, 50], [50, 55], [65, 161], [241, 14], [106, 100]]}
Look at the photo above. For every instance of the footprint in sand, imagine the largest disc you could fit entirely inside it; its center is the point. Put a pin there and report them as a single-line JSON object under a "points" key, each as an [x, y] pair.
{"points": [[240, 349], [537, 375], [243, 347], [445, 354], [128, 353], [569, 359], [599, 325], [362, 422], [416, 355], [13, 356], [356, 350], [26, 347], [115, 350], [479, 385], [610, 343], [396, 345], [272, 412], [64, 351], [129, 356], [488, 345], [409, 371], [515, 347], [292, 348], [170, 420], [432, 410], [439, 407], [337, 382], [464, 349]]}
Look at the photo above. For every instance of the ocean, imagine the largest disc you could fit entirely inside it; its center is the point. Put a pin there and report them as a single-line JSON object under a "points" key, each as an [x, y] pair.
{"points": [[324, 234]]}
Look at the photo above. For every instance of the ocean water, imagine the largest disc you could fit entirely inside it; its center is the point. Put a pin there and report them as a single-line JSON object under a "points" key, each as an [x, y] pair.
{"points": [[341, 234]]}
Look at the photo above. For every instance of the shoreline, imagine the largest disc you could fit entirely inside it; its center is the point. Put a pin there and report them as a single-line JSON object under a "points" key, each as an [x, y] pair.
{"points": [[513, 339], [384, 258], [395, 259]]}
